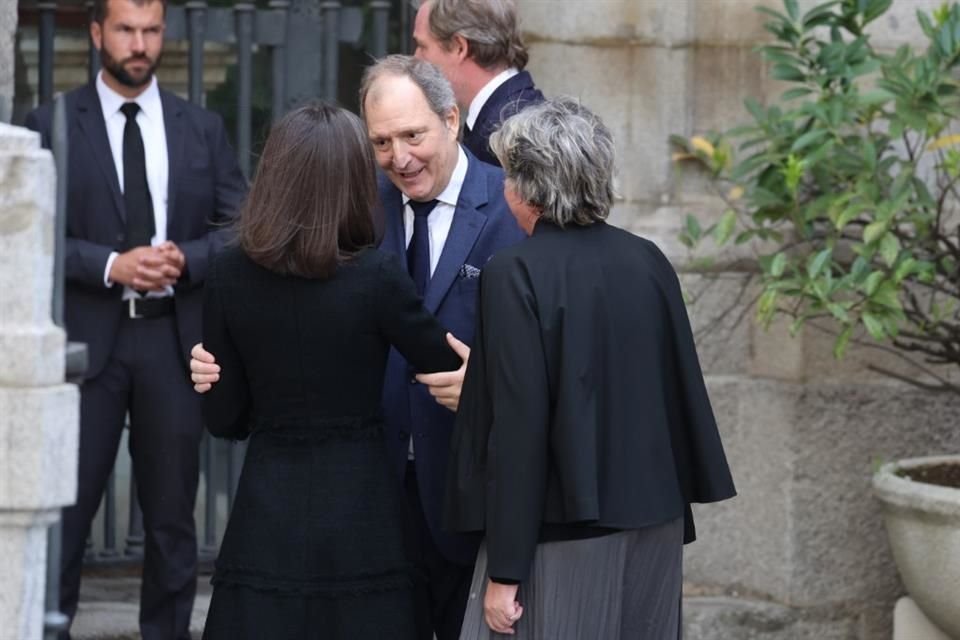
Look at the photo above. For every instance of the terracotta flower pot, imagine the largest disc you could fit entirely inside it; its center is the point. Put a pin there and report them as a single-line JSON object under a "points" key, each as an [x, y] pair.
{"points": [[923, 525]]}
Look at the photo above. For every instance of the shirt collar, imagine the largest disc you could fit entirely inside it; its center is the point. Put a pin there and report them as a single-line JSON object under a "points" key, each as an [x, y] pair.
{"points": [[451, 193], [476, 105], [149, 100]]}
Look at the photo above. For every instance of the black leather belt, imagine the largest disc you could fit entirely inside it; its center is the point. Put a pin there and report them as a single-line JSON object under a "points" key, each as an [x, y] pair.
{"points": [[149, 307]]}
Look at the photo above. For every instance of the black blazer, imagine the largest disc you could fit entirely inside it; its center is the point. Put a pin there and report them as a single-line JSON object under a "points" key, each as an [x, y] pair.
{"points": [[204, 190], [512, 96], [583, 400]]}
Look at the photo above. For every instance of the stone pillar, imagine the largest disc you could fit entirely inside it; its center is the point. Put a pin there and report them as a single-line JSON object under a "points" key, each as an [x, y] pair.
{"points": [[8, 27], [801, 552], [38, 412]]}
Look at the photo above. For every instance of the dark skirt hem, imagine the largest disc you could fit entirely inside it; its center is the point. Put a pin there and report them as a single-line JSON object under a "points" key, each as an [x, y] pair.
{"points": [[347, 587]]}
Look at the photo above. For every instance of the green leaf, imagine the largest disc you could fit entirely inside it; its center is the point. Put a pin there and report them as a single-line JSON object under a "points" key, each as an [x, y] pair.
{"points": [[756, 109], [817, 262], [874, 231], [872, 283], [819, 11], [904, 269], [693, 228], [839, 312], [886, 296], [808, 139], [889, 248], [841, 343], [796, 325], [766, 306], [788, 72], [874, 325], [875, 9], [793, 10], [798, 92], [724, 227], [778, 264]]}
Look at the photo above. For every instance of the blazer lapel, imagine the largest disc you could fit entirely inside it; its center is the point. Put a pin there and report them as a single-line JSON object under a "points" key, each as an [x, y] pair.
{"points": [[468, 222], [173, 124], [90, 122]]}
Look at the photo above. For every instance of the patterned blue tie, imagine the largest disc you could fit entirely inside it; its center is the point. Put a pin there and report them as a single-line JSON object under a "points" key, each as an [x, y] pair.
{"points": [[418, 251]]}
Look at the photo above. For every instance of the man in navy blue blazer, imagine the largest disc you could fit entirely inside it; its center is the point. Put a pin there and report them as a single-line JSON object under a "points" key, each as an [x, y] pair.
{"points": [[412, 121], [478, 47], [441, 205], [151, 179]]}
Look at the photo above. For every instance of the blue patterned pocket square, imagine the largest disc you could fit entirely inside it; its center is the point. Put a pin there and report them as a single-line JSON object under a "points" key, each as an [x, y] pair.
{"points": [[469, 271]]}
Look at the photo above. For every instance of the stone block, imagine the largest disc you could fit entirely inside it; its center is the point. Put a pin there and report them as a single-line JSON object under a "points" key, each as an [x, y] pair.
{"points": [[658, 106], [607, 22], [38, 459], [899, 25], [23, 546], [910, 623], [746, 542], [716, 304], [724, 618], [33, 347], [722, 77], [805, 529]]}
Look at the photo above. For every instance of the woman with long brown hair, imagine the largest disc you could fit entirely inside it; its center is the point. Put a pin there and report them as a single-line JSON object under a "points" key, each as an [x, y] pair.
{"points": [[301, 316]]}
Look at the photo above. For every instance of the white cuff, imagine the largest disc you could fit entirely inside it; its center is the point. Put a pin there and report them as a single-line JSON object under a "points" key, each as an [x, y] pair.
{"points": [[107, 282]]}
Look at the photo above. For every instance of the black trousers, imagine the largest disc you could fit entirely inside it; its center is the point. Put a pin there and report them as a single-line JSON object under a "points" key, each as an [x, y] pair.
{"points": [[147, 377], [442, 587]]}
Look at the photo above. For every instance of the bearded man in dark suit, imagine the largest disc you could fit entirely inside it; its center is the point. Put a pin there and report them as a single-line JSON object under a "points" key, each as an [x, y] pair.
{"points": [[150, 179]]}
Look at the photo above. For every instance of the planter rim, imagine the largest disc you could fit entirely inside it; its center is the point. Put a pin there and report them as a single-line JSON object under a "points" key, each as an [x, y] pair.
{"points": [[899, 492]]}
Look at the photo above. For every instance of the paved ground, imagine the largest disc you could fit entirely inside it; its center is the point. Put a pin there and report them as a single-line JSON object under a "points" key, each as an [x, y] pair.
{"points": [[109, 604]]}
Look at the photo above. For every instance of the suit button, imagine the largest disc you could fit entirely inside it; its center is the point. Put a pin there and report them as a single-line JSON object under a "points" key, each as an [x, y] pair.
{"points": [[403, 435], [120, 237], [413, 380]]}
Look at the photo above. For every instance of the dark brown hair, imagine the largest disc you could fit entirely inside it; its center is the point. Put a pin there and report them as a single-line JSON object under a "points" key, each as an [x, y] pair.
{"points": [[100, 7], [311, 202]]}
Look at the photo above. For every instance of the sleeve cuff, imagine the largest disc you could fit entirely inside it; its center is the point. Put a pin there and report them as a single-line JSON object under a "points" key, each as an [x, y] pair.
{"points": [[504, 580], [107, 282]]}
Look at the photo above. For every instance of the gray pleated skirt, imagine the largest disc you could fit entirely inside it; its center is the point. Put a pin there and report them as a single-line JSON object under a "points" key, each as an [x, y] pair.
{"points": [[623, 586]]}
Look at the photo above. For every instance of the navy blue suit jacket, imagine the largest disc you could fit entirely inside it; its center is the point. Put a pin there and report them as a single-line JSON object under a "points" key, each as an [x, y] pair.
{"points": [[512, 96], [205, 188], [482, 225]]}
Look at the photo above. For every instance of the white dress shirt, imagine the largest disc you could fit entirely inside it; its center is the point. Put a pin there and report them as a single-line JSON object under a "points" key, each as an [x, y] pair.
{"points": [[441, 217], [476, 105], [438, 224], [150, 121]]}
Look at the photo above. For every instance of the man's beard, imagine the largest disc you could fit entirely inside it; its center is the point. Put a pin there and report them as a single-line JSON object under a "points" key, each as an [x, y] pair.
{"points": [[117, 70]]}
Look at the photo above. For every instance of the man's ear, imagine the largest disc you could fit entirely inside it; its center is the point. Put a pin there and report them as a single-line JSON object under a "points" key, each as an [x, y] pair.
{"points": [[96, 34], [460, 47], [452, 120]]}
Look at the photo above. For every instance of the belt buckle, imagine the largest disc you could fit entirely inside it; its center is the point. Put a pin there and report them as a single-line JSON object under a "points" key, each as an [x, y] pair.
{"points": [[132, 308]]}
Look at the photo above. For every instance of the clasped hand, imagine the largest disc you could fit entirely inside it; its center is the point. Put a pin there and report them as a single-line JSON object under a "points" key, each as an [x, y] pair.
{"points": [[149, 268]]}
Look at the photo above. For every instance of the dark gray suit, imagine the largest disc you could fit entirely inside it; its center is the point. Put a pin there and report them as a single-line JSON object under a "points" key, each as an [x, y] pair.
{"points": [[139, 365]]}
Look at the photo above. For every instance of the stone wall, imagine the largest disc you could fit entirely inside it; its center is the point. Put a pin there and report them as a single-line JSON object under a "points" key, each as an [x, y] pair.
{"points": [[801, 552], [8, 27]]}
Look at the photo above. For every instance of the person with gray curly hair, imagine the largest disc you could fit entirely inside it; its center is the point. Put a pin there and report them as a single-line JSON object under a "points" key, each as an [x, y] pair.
{"points": [[584, 430], [478, 47]]}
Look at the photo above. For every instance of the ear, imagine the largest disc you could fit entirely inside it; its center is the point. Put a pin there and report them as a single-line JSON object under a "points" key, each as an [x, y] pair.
{"points": [[459, 47], [96, 34], [452, 120]]}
